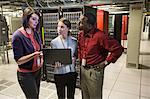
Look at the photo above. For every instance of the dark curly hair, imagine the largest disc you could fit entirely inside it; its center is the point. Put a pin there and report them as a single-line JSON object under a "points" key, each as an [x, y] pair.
{"points": [[91, 18]]}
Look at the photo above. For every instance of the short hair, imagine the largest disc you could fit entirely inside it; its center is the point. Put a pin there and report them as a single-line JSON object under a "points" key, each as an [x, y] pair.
{"points": [[91, 18], [26, 16]]}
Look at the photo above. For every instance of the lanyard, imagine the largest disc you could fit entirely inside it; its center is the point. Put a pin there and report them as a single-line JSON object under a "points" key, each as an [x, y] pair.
{"points": [[65, 47], [63, 42]]}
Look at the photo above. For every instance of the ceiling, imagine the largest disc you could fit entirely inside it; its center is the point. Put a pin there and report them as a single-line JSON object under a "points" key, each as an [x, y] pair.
{"points": [[110, 5]]}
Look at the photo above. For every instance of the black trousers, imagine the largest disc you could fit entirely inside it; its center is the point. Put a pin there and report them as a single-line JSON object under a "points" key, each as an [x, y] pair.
{"points": [[63, 81], [30, 83]]}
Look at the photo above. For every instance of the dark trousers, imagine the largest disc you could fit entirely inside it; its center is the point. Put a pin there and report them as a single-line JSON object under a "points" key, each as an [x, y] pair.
{"points": [[30, 83], [63, 81]]}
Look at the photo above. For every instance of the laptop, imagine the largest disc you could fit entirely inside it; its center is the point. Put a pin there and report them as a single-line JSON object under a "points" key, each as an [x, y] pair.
{"points": [[57, 55]]}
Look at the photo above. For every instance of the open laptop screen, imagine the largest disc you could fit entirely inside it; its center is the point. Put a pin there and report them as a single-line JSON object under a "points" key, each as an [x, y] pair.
{"points": [[57, 55]]}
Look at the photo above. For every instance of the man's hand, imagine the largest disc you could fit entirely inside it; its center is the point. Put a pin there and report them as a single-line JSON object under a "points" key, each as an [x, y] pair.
{"points": [[103, 64]]}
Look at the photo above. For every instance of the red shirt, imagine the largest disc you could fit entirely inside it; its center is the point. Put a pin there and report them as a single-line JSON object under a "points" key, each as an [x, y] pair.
{"points": [[95, 46], [36, 47]]}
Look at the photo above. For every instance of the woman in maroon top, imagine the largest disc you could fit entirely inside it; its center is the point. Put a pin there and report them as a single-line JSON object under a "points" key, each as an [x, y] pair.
{"points": [[26, 45], [93, 48]]}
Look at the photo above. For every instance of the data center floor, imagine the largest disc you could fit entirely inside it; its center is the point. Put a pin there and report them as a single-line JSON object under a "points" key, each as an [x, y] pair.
{"points": [[120, 82]]}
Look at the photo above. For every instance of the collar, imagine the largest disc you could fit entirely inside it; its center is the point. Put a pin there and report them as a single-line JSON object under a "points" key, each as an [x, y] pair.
{"points": [[91, 32], [22, 30]]}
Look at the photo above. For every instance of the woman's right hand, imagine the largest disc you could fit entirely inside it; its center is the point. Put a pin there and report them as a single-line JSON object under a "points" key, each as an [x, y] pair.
{"points": [[27, 58], [37, 53], [58, 64]]}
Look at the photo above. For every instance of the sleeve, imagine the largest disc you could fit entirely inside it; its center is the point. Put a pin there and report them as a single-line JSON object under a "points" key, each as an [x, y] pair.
{"points": [[114, 48], [52, 44], [17, 47]]}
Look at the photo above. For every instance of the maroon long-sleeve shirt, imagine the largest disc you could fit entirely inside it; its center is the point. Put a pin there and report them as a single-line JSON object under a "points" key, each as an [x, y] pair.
{"points": [[96, 47]]}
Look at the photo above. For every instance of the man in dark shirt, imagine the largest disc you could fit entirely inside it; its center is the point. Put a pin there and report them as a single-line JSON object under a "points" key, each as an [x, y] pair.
{"points": [[95, 51]]}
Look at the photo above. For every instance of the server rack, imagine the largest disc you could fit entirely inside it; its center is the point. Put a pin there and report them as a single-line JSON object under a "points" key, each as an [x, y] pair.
{"points": [[50, 19], [3, 30], [4, 39], [74, 19]]}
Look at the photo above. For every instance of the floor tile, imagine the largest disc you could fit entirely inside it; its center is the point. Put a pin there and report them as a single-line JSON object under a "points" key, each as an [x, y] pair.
{"points": [[2, 87], [122, 95], [111, 75], [106, 93], [78, 94], [22, 96], [129, 78], [145, 91], [45, 92], [129, 88], [77, 91], [52, 86], [3, 81], [9, 83], [113, 68], [131, 71], [109, 83], [145, 81], [120, 82], [144, 98], [53, 96], [45, 84], [5, 97], [14, 90]]}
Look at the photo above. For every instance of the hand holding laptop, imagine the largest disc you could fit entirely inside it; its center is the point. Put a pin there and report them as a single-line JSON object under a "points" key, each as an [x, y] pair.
{"points": [[58, 64], [58, 57]]}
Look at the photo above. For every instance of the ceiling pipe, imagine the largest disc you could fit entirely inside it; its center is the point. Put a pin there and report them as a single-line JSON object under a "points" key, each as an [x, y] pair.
{"points": [[96, 3]]}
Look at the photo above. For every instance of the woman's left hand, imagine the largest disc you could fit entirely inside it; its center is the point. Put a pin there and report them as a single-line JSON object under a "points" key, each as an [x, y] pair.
{"points": [[42, 61]]}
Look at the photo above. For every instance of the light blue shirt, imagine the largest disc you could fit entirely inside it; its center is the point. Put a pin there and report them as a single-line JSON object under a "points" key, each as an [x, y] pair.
{"points": [[70, 43]]}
